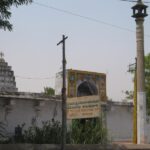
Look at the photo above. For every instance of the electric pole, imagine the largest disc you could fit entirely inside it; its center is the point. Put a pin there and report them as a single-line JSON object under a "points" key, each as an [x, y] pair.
{"points": [[139, 13], [64, 97]]}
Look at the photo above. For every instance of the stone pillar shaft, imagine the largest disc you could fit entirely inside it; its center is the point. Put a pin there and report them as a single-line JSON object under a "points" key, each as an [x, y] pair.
{"points": [[141, 96]]}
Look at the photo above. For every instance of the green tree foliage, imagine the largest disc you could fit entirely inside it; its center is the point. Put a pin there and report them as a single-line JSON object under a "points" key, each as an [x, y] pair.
{"points": [[5, 12], [90, 131], [129, 94], [49, 91], [147, 81]]}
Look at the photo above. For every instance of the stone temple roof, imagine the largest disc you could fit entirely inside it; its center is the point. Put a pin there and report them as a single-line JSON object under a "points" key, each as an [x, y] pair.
{"points": [[7, 78]]}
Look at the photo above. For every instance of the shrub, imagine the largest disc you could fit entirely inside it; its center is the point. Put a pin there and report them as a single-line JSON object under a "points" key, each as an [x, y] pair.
{"points": [[3, 134], [49, 133], [90, 131]]}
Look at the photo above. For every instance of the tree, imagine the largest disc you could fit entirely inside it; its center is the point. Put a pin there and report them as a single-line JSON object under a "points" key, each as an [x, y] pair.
{"points": [[129, 94], [147, 81], [49, 91], [5, 12]]}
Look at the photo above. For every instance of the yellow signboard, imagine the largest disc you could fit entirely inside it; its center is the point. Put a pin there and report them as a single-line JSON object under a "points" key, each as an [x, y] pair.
{"points": [[83, 107]]}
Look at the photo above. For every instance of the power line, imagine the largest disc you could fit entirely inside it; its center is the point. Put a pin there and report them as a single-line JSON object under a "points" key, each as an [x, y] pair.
{"points": [[86, 17], [35, 78]]}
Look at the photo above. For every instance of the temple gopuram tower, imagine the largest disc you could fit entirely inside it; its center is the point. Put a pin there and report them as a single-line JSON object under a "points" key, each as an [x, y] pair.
{"points": [[7, 78]]}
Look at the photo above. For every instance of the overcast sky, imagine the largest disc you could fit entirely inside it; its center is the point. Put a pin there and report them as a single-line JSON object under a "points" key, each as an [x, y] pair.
{"points": [[94, 46]]}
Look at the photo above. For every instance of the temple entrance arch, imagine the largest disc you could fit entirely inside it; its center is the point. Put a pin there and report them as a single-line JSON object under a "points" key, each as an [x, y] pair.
{"points": [[82, 83], [87, 88]]}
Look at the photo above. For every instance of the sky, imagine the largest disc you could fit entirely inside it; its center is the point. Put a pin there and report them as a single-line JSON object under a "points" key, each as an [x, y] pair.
{"points": [[103, 44]]}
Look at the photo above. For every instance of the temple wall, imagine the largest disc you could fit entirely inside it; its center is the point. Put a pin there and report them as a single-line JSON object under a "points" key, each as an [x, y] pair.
{"points": [[18, 111], [119, 121], [15, 112]]}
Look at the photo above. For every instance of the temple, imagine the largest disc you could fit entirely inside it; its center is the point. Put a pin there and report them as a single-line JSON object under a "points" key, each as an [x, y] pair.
{"points": [[7, 78]]}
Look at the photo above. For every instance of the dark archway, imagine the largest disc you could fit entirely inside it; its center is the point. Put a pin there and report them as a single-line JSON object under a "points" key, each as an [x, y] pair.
{"points": [[87, 88]]}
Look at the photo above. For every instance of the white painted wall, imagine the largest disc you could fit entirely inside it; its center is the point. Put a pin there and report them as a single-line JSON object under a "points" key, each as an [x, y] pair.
{"points": [[119, 121], [25, 110], [118, 116]]}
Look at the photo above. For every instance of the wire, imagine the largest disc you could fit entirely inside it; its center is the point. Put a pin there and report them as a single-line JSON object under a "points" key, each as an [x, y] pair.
{"points": [[35, 78], [86, 17]]}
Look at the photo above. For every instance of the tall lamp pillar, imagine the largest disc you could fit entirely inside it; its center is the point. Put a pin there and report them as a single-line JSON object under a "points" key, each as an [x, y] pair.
{"points": [[139, 13]]}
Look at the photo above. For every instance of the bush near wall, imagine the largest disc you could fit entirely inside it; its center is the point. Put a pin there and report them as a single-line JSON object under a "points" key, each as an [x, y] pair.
{"points": [[49, 133], [89, 131], [81, 132]]}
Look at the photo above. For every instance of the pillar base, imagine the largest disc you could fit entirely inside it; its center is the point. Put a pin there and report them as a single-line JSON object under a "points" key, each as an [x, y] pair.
{"points": [[141, 118]]}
